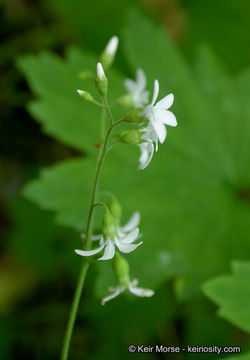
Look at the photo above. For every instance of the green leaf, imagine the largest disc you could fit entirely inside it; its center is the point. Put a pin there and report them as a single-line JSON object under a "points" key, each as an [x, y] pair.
{"points": [[65, 189], [205, 170], [244, 356], [59, 108], [232, 294], [194, 195]]}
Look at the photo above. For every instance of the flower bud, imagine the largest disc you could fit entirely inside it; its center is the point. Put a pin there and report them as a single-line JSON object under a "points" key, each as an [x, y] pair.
{"points": [[133, 137], [108, 226], [108, 55], [101, 80], [85, 95], [135, 116], [115, 210], [121, 270]]}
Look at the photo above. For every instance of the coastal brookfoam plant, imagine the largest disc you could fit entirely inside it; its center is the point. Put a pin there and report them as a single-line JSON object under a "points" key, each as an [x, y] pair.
{"points": [[145, 126], [159, 115], [124, 244], [131, 287], [123, 282], [123, 238]]}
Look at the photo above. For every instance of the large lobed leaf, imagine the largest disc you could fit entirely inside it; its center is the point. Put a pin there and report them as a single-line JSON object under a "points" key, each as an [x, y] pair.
{"points": [[192, 196], [232, 294]]}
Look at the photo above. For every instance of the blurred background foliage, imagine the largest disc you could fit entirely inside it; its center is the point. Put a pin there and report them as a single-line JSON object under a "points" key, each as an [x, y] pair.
{"points": [[194, 198]]}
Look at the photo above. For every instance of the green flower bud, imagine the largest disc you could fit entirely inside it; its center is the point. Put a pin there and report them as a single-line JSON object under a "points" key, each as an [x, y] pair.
{"points": [[108, 55], [101, 80], [108, 226], [85, 95], [121, 270], [132, 137], [134, 116], [125, 100], [115, 210]]}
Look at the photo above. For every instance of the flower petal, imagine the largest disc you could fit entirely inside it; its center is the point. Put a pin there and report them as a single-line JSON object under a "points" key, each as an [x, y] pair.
{"points": [[126, 248], [130, 86], [147, 154], [156, 92], [112, 296], [165, 116], [132, 223], [166, 102], [89, 252], [144, 154], [140, 80], [140, 291], [130, 237], [160, 130], [109, 251]]}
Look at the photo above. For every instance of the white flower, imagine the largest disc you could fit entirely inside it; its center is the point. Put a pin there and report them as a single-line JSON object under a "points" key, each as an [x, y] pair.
{"points": [[112, 46], [123, 239], [137, 89], [147, 148], [130, 225], [132, 287], [158, 115]]}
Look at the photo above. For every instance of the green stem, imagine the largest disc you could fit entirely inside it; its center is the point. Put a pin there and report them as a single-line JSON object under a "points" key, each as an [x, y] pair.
{"points": [[95, 188], [73, 312], [108, 110], [87, 242]]}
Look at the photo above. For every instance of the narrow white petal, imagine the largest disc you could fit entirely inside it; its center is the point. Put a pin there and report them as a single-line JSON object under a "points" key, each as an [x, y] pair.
{"points": [[100, 71], [126, 248], [156, 145], [146, 157], [112, 45], [112, 296], [151, 135], [160, 130], [166, 102], [130, 86], [141, 80], [144, 154], [109, 251], [165, 116], [156, 91], [90, 252], [141, 292], [132, 223], [130, 237]]}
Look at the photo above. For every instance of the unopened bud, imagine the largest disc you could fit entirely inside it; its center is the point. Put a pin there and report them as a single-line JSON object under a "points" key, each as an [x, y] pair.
{"points": [[108, 55], [135, 116], [108, 226], [132, 137], [115, 210], [85, 95], [121, 270], [101, 80]]}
